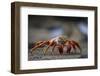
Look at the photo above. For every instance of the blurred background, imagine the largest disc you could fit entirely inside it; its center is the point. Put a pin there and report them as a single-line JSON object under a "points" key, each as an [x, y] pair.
{"points": [[42, 28]]}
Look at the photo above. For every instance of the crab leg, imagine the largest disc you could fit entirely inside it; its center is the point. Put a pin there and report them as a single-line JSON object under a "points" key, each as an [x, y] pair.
{"points": [[75, 43], [68, 48], [38, 46], [73, 46], [53, 47], [68, 45], [60, 48], [39, 42], [50, 44]]}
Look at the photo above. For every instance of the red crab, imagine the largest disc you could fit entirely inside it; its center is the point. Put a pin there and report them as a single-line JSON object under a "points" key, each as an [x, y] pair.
{"points": [[58, 42]]}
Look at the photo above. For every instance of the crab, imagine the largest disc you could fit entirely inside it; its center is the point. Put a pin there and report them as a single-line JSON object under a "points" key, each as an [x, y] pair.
{"points": [[58, 42]]}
